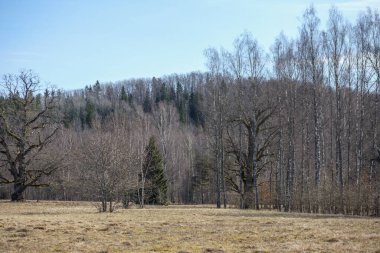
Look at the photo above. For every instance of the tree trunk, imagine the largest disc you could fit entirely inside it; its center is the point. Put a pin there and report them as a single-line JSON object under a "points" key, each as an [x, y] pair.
{"points": [[217, 165], [222, 172], [18, 190], [317, 148], [20, 182], [252, 151], [241, 173], [291, 150]]}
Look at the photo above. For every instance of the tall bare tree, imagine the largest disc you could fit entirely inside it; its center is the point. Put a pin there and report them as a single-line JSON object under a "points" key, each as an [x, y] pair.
{"points": [[216, 117], [336, 39], [314, 73], [28, 124]]}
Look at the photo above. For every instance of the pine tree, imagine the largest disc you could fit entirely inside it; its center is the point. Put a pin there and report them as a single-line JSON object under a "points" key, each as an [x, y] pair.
{"points": [[201, 178], [147, 104], [123, 95], [157, 184], [195, 112], [90, 113], [180, 102], [130, 99], [97, 89]]}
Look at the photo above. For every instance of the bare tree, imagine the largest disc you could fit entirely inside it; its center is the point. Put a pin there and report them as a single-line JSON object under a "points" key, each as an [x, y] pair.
{"points": [[144, 128], [215, 117], [165, 119], [28, 124], [105, 166], [314, 74], [285, 67], [336, 36]]}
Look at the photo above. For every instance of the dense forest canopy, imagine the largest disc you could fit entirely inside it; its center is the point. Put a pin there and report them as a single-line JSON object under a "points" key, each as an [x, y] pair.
{"points": [[295, 129]]}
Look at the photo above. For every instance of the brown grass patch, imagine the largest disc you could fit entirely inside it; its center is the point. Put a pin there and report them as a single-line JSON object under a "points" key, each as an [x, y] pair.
{"points": [[78, 227]]}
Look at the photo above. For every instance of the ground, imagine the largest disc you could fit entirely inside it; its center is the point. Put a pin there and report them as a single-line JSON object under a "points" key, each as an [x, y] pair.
{"points": [[78, 227]]}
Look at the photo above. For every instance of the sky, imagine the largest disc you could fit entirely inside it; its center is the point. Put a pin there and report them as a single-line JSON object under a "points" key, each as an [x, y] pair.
{"points": [[73, 43]]}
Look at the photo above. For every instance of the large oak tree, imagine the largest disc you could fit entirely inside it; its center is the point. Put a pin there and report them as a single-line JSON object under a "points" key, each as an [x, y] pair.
{"points": [[28, 123]]}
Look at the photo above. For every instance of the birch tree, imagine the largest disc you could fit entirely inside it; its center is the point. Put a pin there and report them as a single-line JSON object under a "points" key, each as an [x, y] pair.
{"points": [[336, 48], [314, 75]]}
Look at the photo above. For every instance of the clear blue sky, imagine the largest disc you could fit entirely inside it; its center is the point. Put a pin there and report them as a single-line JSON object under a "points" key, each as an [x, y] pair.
{"points": [[73, 43]]}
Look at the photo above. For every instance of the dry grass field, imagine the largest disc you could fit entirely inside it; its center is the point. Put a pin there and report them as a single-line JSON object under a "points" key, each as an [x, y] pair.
{"points": [[78, 227]]}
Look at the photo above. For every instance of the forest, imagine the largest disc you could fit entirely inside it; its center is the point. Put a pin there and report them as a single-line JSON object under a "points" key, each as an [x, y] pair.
{"points": [[293, 129]]}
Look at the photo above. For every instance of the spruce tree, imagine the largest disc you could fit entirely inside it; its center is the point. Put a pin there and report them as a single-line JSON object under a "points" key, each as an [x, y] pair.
{"points": [[147, 104], [180, 103], [90, 113], [157, 184], [123, 95], [195, 112]]}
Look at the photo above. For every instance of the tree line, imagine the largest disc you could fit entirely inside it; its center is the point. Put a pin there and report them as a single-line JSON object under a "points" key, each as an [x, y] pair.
{"points": [[296, 129]]}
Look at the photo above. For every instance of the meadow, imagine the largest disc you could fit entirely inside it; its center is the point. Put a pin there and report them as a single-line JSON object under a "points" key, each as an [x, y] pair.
{"points": [[50, 226]]}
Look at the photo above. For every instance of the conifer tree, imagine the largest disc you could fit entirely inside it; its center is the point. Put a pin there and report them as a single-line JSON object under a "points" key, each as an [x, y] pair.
{"points": [[195, 112], [90, 113], [123, 95], [156, 188], [147, 105], [180, 103]]}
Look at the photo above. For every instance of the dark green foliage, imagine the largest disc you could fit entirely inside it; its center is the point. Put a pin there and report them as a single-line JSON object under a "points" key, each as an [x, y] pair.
{"points": [[88, 90], [202, 168], [97, 89], [179, 92], [123, 95], [182, 112], [147, 105], [89, 113], [69, 112], [156, 183], [180, 103], [166, 93], [104, 112], [172, 94], [38, 100], [195, 111], [130, 99], [201, 179], [82, 118], [186, 95], [163, 92]]}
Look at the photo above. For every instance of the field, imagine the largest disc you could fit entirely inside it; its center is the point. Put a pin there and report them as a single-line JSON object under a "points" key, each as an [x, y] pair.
{"points": [[78, 227]]}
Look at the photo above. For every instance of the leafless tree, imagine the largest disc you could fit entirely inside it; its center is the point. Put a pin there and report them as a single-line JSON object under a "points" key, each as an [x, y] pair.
{"points": [[314, 73], [336, 39], [28, 124]]}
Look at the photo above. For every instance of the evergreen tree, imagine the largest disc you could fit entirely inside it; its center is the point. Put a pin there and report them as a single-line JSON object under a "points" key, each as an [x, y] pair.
{"points": [[82, 118], [180, 102], [130, 99], [195, 112], [90, 113], [147, 105], [69, 112], [179, 92], [123, 95], [97, 89], [157, 184], [201, 178], [172, 94], [163, 92], [181, 112]]}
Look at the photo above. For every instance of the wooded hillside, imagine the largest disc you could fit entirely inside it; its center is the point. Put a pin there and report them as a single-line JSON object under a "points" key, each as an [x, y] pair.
{"points": [[295, 129]]}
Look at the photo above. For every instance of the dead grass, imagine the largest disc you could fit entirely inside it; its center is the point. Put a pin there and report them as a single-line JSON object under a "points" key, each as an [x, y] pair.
{"points": [[78, 227]]}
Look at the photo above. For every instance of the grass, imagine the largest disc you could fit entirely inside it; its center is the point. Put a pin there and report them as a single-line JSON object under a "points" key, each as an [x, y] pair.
{"points": [[78, 227]]}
